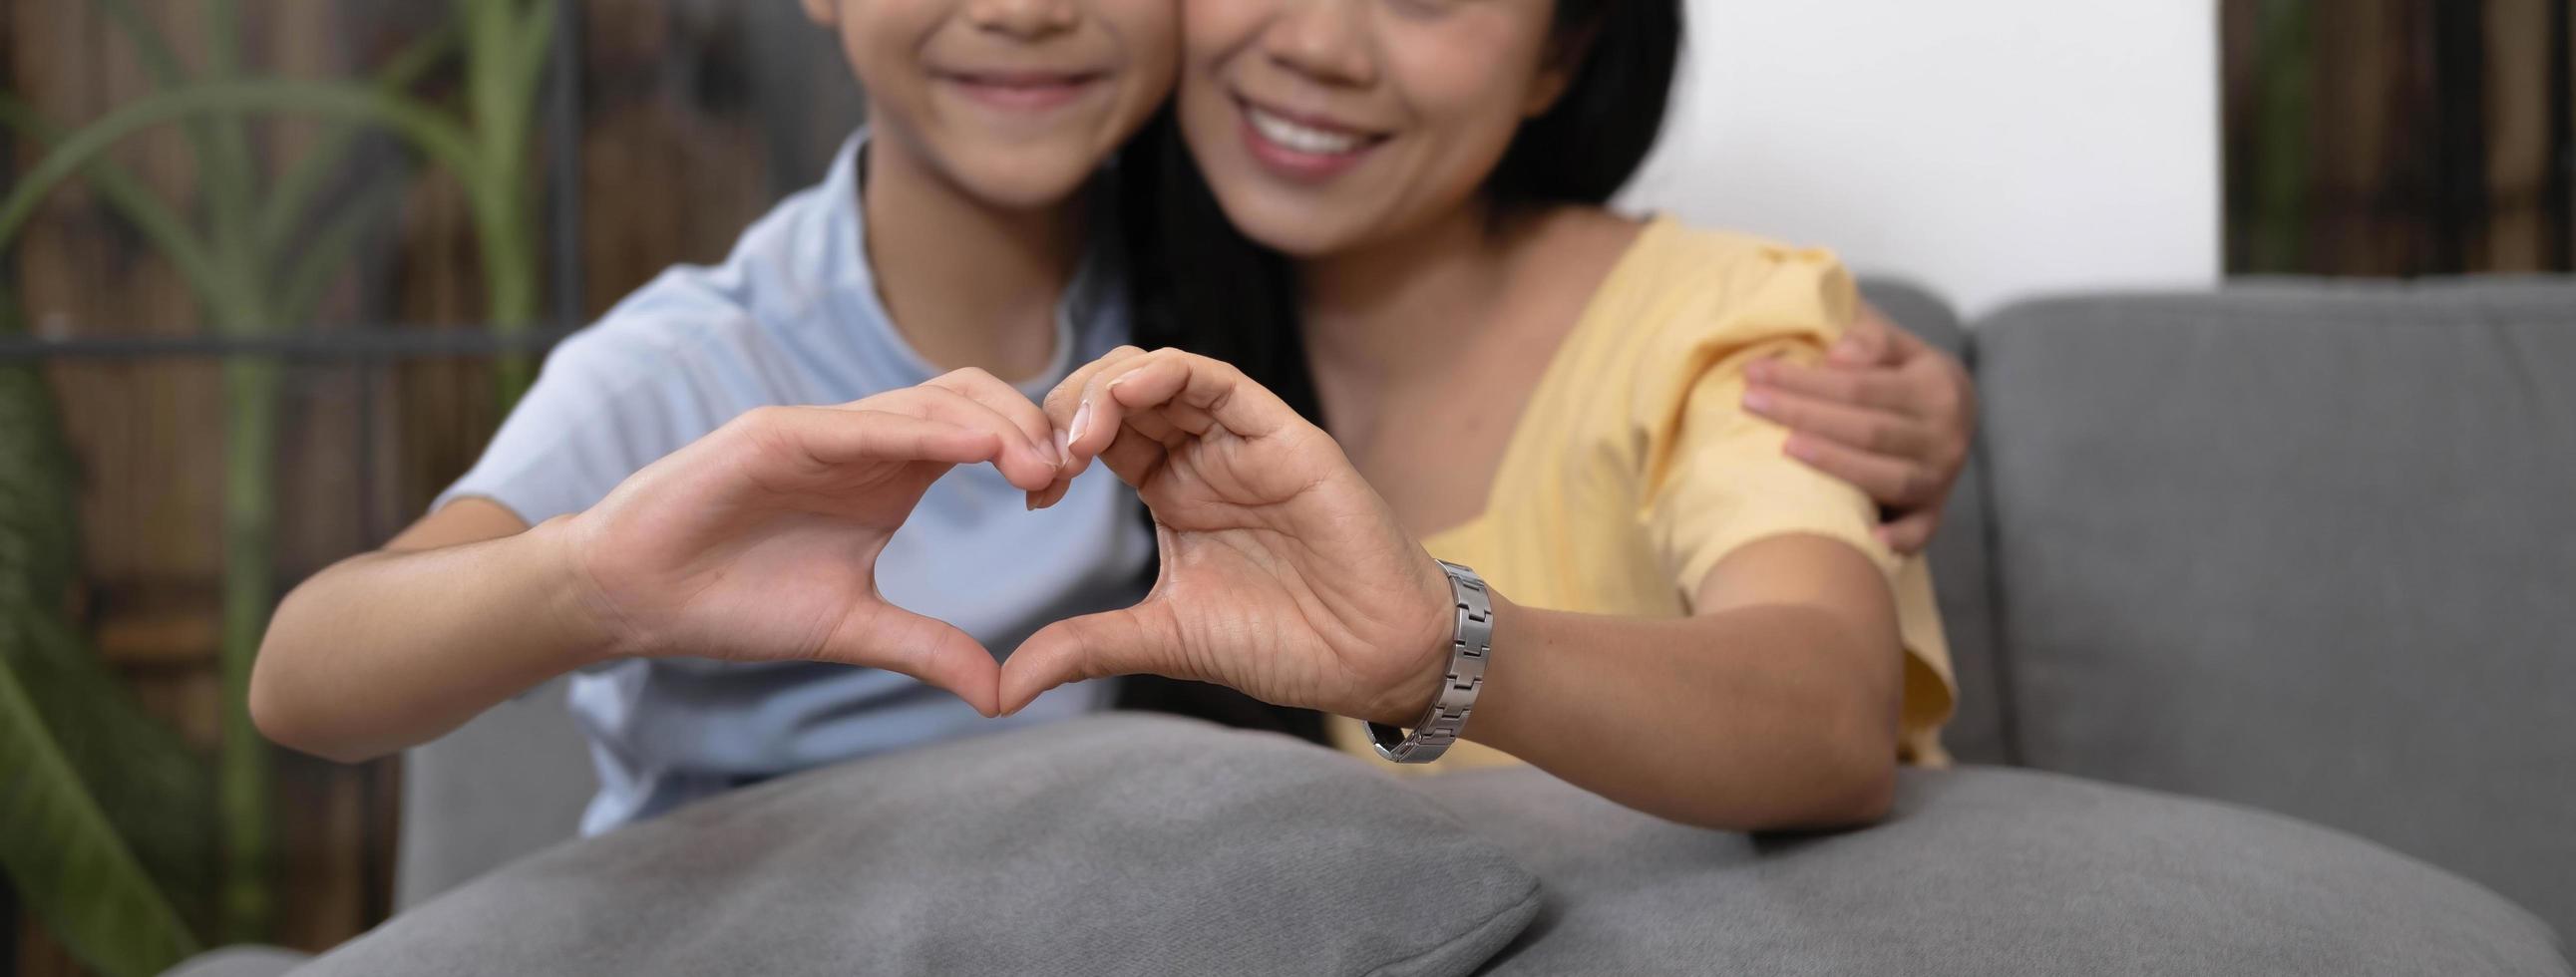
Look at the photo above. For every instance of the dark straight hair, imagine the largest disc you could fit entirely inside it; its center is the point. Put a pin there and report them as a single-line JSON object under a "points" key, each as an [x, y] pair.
{"points": [[1198, 284]]}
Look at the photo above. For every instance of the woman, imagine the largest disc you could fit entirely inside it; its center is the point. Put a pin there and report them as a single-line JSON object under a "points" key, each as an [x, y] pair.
{"points": [[1683, 619]]}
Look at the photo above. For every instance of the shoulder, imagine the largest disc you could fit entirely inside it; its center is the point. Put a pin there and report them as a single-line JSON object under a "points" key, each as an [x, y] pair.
{"points": [[786, 272], [1684, 303], [1695, 286]]}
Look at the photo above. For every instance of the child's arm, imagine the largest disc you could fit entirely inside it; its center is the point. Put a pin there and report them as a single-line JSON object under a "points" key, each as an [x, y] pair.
{"points": [[392, 648], [757, 542]]}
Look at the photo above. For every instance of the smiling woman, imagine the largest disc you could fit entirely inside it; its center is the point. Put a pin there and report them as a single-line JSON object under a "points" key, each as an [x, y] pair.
{"points": [[1685, 618]]}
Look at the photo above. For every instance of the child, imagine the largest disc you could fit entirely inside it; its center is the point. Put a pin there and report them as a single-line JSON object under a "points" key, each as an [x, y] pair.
{"points": [[949, 245]]}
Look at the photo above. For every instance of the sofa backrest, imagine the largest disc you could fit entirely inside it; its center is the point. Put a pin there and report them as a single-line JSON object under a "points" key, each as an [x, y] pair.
{"points": [[509, 782], [2303, 546]]}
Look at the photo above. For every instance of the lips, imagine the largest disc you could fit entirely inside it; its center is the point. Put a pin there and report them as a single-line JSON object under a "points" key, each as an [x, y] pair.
{"points": [[1022, 90], [1303, 147]]}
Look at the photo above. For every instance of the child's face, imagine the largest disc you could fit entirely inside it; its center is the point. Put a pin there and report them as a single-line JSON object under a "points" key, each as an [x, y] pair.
{"points": [[1018, 102]]}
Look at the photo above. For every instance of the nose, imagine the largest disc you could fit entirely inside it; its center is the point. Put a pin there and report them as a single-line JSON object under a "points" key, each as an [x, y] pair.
{"points": [[1325, 40], [1024, 18]]}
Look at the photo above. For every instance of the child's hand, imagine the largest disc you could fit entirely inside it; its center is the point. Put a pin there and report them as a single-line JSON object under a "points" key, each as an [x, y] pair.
{"points": [[759, 541], [1284, 575], [1885, 412]]}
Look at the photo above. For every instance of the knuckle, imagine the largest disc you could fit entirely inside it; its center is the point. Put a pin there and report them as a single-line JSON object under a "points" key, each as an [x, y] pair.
{"points": [[1916, 483], [1880, 437]]}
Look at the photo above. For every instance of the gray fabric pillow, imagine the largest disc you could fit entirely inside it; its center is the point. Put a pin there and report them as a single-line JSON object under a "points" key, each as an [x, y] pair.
{"points": [[1108, 845], [1985, 871]]}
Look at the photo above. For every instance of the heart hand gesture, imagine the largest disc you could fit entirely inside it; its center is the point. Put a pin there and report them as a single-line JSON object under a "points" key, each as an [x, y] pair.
{"points": [[1284, 575]]}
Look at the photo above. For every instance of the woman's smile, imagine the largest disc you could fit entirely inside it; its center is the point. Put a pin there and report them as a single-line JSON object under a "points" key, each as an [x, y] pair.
{"points": [[1303, 147]]}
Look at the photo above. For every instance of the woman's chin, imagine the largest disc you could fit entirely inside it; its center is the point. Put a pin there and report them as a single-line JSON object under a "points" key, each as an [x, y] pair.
{"points": [[1294, 230]]}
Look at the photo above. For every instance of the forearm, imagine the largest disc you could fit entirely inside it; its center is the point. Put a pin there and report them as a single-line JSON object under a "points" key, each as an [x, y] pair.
{"points": [[390, 649], [1754, 718]]}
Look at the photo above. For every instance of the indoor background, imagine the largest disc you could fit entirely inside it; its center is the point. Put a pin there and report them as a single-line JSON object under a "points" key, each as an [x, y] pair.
{"points": [[271, 270]]}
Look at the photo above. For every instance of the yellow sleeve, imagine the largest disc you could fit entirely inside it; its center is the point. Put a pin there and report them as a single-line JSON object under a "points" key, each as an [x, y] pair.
{"points": [[1716, 477]]}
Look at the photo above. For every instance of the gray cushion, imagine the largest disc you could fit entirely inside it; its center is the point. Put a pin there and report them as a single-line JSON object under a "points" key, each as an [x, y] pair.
{"points": [[1117, 844], [240, 961], [1985, 871], [2309, 548], [1976, 733]]}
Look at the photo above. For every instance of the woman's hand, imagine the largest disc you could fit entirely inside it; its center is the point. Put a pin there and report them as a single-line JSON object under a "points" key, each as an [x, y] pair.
{"points": [[759, 541], [1885, 412], [1284, 576]]}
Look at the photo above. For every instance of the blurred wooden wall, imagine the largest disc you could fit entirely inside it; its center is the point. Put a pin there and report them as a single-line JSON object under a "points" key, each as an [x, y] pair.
{"points": [[2399, 137], [691, 117]]}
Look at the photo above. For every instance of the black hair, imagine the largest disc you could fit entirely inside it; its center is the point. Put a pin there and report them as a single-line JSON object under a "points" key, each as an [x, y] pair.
{"points": [[1197, 283]]}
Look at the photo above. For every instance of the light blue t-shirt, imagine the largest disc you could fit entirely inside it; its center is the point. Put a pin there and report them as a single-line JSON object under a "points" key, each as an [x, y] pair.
{"points": [[793, 317]]}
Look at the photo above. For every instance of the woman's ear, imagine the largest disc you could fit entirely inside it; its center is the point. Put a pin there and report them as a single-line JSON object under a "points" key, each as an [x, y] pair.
{"points": [[824, 13], [1563, 60]]}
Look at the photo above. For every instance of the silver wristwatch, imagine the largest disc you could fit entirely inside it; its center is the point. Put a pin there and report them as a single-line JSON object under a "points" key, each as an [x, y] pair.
{"points": [[1469, 646]]}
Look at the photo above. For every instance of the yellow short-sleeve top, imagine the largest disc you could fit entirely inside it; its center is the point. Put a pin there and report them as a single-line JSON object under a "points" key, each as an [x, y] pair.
{"points": [[1634, 468]]}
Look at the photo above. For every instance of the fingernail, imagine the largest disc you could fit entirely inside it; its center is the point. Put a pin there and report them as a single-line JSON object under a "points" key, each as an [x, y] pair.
{"points": [[1800, 449], [1081, 419], [1062, 444], [1759, 370], [1757, 402]]}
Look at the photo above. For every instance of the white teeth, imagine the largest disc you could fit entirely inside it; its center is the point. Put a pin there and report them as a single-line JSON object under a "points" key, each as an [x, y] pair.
{"points": [[1304, 139]]}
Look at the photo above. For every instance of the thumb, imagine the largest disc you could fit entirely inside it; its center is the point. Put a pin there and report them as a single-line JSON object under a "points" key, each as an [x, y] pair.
{"points": [[928, 649], [1091, 646]]}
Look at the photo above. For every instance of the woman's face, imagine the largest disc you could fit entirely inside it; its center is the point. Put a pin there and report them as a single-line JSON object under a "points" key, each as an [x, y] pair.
{"points": [[1326, 125], [1016, 101]]}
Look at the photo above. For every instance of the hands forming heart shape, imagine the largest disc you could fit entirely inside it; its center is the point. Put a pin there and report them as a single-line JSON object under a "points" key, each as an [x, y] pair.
{"points": [[1284, 575]]}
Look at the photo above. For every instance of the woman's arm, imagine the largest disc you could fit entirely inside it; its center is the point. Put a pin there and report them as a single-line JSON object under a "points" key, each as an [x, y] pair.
{"points": [[757, 542], [1286, 577], [1773, 706]]}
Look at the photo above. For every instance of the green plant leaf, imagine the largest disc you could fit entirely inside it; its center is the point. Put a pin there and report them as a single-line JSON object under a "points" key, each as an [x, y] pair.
{"points": [[154, 789], [63, 854]]}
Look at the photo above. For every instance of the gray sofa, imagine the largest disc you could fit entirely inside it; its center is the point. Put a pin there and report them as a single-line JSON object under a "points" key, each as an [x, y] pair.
{"points": [[2264, 609]]}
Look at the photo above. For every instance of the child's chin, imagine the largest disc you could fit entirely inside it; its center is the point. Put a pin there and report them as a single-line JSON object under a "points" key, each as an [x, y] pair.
{"points": [[1027, 180]]}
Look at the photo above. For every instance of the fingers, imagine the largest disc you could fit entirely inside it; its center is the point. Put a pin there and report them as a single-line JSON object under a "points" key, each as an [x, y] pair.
{"points": [[1878, 387], [839, 436], [1874, 431], [1893, 482], [1867, 343], [1092, 646], [933, 651], [1910, 533], [1065, 406], [1133, 455], [1021, 461], [1197, 394], [1006, 400]]}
